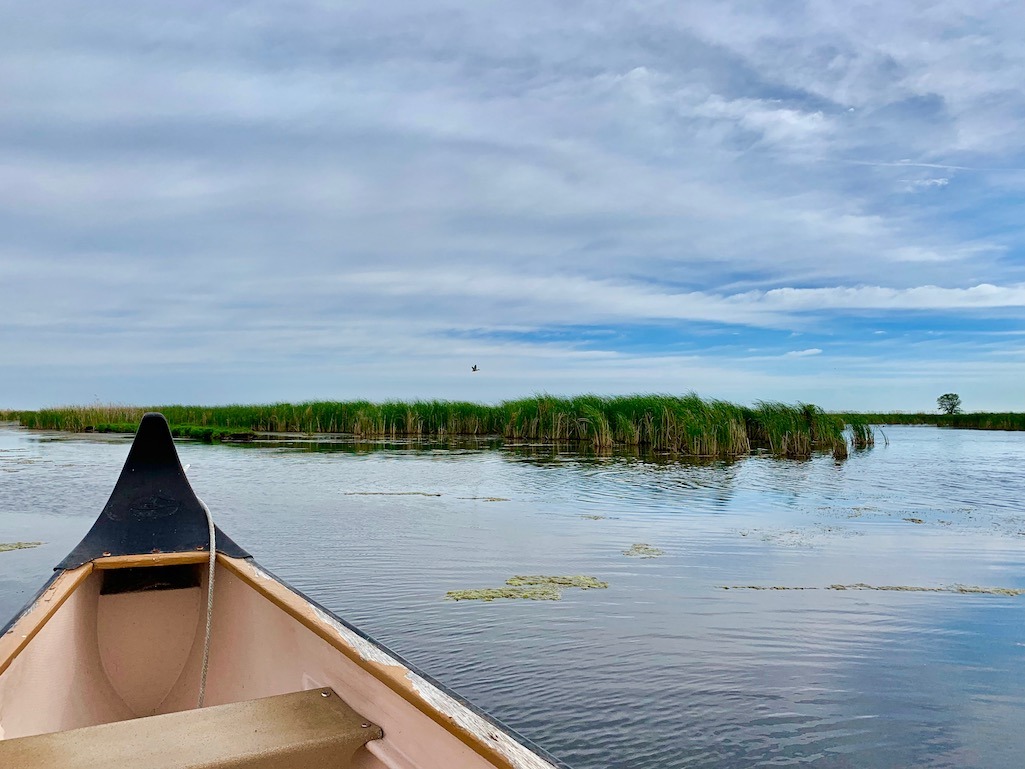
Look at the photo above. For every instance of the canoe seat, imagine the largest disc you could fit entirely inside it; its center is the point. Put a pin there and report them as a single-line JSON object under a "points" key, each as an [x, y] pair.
{"points": [[289, 731]]}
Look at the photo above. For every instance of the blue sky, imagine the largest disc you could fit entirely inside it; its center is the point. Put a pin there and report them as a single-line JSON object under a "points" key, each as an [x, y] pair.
{"points": [[797, 201]]}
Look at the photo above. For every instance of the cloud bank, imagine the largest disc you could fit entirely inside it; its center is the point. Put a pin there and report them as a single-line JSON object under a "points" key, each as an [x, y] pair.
{"points": [[297, 201]]}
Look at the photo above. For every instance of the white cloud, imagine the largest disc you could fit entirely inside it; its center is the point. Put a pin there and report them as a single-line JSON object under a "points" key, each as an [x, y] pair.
{"points": [[773, 121], [982, 296], [319, 184], [804, 353], [917, 185]]}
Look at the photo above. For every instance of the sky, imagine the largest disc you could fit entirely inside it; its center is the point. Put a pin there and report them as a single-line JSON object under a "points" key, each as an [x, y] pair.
{"points": [[225, 202]]}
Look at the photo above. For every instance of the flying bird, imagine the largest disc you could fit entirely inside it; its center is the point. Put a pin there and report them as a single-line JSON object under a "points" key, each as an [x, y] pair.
{"points": [[474, 367]]}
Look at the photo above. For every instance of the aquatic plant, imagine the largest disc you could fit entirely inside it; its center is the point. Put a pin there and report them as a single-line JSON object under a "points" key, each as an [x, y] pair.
{"points": [[582, 581], [974, 421], [862, 435], [684, 425], [538, 587], [7, 546], [642, 550], [539, 593], [794, 431], [959, 589]]}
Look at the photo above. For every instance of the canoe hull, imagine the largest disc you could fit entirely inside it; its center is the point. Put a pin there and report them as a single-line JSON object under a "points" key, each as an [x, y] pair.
{"points": [[121, 636], [115, 656]]}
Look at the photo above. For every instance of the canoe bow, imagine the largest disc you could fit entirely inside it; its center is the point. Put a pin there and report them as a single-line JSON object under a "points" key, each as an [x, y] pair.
{"points": [[148, 548]]}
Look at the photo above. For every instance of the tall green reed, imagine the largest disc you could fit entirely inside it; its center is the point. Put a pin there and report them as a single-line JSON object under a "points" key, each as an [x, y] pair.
{"points": [[667, 424]]}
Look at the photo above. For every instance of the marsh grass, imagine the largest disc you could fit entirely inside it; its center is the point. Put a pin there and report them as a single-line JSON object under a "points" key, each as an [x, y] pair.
{"points": [[861, 434], [1006, 420], [675, 425], [1002, 421]]}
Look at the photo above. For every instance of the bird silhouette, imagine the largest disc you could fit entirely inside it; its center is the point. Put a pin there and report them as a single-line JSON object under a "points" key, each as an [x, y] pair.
{"points": [[474, 367]]}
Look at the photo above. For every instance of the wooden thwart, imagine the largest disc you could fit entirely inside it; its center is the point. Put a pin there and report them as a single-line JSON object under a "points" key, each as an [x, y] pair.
{"points": [[303, 729]]}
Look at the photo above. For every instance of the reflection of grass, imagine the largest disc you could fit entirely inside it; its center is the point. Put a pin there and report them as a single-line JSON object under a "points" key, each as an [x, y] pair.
{"points": [[685, 425], [642, 550], [5, 546], [537, 587]]}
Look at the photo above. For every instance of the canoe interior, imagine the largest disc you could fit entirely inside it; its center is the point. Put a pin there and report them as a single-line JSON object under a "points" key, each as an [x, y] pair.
{"points": [[118, 634], [127, 643]]}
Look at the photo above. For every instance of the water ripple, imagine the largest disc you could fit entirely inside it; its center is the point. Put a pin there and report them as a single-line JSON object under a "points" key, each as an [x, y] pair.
{"points": [[663, 668]]}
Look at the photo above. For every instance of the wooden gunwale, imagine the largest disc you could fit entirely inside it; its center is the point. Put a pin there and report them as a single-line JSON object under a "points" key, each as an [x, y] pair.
{"points": [[394, 676]]}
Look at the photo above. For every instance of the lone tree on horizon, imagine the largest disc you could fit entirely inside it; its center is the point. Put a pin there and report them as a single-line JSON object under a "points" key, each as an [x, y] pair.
{"points": [[949, 403]]}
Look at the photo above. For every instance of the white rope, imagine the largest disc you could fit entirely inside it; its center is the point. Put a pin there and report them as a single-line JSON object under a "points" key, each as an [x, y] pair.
{"points": [[209, 602]]}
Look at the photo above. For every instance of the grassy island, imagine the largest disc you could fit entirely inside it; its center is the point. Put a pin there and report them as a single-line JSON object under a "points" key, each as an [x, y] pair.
{"points": [[682, 425]]}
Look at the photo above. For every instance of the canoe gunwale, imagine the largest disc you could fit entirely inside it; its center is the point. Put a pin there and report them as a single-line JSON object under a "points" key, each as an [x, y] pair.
{"points": [[396, 673], [385, 665], [153, 518]]}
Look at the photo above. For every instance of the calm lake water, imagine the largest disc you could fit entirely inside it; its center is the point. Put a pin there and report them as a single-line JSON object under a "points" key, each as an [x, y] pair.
{"points": [[665, 668]]}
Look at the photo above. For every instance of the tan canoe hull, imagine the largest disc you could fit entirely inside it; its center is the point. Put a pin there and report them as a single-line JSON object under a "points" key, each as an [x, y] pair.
{"points": [[79, 658]]}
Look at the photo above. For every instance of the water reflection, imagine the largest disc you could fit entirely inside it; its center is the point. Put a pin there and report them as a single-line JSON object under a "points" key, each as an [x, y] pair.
{"points": [[664, 668]]}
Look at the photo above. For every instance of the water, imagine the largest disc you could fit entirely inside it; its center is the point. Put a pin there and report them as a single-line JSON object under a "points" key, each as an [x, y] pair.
{"points": [[664, 668]]}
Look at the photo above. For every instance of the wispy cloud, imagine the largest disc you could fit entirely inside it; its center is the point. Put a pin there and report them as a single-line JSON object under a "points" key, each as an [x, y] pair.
{"points": [[804, 353], [924, 184], [365, 194]]}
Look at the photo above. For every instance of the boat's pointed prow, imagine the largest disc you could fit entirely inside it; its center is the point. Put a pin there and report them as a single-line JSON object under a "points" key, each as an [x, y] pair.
{"points": [[111, 660], [152, 509]]}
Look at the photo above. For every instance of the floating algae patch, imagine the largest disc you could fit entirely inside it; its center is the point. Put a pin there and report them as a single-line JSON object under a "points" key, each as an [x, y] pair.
{"points": [[532, 593], [960, 589], [642, 550], [582, 581], [806, 537], [535, 587], [5, 546], [392, 493]]}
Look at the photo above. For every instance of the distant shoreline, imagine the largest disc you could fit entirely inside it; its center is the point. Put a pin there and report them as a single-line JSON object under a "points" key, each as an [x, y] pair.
{"points": [[685, 425]]}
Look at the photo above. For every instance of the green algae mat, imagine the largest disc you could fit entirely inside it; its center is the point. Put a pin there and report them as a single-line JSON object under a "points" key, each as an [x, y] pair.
{"points": [[5, 546], [537, 587]]}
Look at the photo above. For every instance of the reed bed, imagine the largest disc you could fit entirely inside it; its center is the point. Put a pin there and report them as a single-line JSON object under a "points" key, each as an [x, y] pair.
{"points": [[795, 431], [973, 421], [684, 425], [984, 421], [861, 434]]}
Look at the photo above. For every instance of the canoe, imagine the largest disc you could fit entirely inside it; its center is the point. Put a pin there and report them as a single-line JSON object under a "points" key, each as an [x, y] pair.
{"points": [[148, 645]]}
